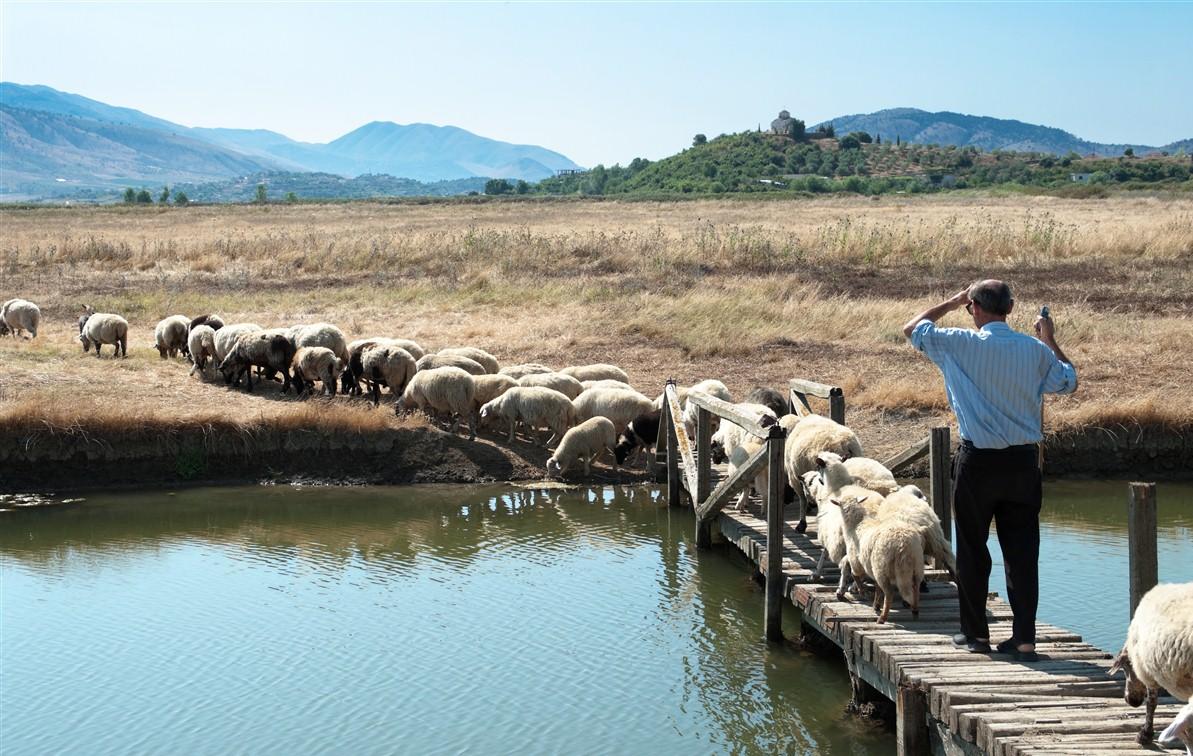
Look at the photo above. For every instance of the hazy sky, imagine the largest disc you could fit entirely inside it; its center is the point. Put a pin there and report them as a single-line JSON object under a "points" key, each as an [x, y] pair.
{"points": [[609, 82]]}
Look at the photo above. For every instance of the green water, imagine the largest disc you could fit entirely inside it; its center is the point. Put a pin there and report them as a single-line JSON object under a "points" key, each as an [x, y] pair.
{"points": [[403, 620], [446, 620]]}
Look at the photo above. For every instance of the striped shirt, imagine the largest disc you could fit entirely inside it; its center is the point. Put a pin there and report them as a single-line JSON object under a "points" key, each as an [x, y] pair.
{"points": [[995, 379]]}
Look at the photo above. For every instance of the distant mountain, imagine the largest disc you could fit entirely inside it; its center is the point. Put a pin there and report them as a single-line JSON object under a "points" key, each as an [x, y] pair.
{"points": [[985, 133], [47, 135]]}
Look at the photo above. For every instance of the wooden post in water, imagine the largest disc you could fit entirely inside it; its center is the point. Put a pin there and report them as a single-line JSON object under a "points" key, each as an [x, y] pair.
{"points": [[1141, 539], [940, 489], [776, 583], [911, 722], [674, 485], [703, 473]]}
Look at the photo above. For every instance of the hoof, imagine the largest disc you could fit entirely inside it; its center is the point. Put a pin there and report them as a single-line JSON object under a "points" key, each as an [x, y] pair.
{"points": [[802, 526], [840, 595], [1144, 737]]}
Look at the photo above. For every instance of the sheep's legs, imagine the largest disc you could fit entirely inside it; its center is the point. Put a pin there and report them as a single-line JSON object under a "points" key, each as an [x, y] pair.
{"points": [[820, 564], [846, 574], [886, 605], [1147, 733], [472, 426], [510, 439]]}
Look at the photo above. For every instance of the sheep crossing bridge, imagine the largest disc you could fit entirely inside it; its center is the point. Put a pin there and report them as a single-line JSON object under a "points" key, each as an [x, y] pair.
{"points": [[947, 700]]}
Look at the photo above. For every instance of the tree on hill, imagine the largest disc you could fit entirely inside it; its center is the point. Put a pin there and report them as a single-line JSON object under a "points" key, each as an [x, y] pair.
{"points": [[521, 187], [497, 186], [862, 136], [826, 131], [699, 139], [262, 195], [164, 197], [1129, 152], [130, 196], [181, 199], [850, 142], [291, 197], [144, 198]]}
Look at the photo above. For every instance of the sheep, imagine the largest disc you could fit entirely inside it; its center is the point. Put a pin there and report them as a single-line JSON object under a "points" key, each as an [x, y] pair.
{"points": [[321, 335], [600, 371], [491, 386], [170, 336], [104, 328], [272, 350], [350, 378], [586, 442], [389, 365], [909, 506], [201, 345], [564, 384], [446, 389], [225, 338], [480, 356], [730, 435], [642, 431], [606, 383], [618, 405], [1159, 651], [311, 364], [691, 411], [889, 551], [534, 406], [810, 436], [432, 361], [768, 397], [528, 368], [18, 315], [214, 321]]}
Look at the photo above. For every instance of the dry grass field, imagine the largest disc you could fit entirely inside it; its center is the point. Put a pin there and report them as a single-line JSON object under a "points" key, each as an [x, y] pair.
{"points": [[750, 292]]}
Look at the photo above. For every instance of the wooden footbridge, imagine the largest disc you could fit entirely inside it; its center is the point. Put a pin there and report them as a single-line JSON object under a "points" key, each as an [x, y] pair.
{"points": [[947, 700]]}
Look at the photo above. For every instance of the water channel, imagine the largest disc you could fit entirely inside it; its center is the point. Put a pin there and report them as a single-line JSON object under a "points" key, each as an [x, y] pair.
{"points": [[446, 620]]}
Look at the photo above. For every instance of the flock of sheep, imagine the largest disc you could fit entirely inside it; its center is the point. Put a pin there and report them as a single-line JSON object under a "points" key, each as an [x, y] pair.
{"points": [[868, 524]]}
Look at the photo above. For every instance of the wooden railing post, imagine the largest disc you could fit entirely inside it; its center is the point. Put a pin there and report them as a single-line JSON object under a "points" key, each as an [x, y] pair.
{"points": [[1141, 540], [674, 485], [776, 582], [836, 406], [911, 722], [940, 492], [703, 473]]}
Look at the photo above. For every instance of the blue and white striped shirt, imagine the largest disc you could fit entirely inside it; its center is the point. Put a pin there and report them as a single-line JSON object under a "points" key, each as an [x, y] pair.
{"points": [[995, 379]]}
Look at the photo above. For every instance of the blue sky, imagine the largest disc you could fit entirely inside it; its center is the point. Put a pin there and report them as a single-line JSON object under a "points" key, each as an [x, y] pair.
{"points": [[609, 82]]}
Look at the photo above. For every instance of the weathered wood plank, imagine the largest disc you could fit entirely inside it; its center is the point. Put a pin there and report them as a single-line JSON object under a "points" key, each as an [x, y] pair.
{"points": [[683, 443], [741, 477], [756, 426], [821, 390], [908, 455], [1141, 540]]}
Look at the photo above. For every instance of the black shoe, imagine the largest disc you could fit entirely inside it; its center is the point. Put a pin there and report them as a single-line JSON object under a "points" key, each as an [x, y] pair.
{"points": [[1011, 646], [973, 645]]}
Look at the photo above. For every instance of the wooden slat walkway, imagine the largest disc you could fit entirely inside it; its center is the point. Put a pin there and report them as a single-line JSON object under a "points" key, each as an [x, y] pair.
{"points": [[1063, 704]]}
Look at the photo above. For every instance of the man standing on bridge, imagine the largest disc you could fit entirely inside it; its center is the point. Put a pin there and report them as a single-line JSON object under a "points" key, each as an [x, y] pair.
{"points": [[995, 378]]}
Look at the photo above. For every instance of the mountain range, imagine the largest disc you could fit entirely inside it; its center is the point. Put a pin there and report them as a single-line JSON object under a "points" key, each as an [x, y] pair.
{"points": [[54, 142], [985, 133]]}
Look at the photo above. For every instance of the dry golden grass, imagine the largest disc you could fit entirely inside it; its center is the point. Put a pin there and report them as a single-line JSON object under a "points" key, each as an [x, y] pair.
{"points": [[754, 293]]}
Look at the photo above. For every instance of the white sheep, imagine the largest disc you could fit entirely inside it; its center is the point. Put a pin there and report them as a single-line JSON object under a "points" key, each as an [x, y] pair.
{"points": [[491, 386], [448, 390], [201, 345], [710, 387], [829, 481], [272, 350], [18, 315], [606, 383], [527, 368], [387, 365], [730, 435], [1159, 652], [597, 372], [585, 442], [438, 360], [480, 356], [533, 406], [618, 405], [889, 551], [809, 436], [323, 335], [311, 364], [225, 338], [564, 384], [909, 505], [170, 336], [105, 328]]}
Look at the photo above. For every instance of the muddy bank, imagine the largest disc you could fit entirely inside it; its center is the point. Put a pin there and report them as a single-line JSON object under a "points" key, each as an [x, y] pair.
{"points": [[66, 461]]}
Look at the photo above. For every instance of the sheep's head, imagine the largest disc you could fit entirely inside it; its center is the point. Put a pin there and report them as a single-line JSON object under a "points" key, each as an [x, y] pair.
{"points": [[1135, 691], [487, 413], [4, 330], [86, 343], [852, 510], [813, 484], [625, 444], [914, 490], [553, 468]]}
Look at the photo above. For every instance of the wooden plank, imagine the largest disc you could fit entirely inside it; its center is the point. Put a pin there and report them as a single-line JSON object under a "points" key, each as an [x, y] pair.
{"points": [[754, 425], [775, 581], [703, 474], [740, 478], [908, 455], [673, 482], [683, 443], [822, 390], [1141, 539], [911, 722], [939, 454]]}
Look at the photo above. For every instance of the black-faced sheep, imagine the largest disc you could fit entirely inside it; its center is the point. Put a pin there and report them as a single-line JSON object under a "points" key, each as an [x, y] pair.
{"points": [[311, 364], [104, 328], [386, 365], [534, 407], [585, 442], [170, 336], [1159, 651], [201, 345], [448, 390], [272, 350], [641, 432], [215, 322], [17, 315]]}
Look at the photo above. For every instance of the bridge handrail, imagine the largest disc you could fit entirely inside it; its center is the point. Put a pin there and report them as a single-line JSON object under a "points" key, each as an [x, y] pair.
{"points": [[757, 426]]}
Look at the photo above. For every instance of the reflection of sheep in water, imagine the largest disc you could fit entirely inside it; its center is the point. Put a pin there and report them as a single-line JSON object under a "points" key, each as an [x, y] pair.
{"points": [[1159, 654], [448, 390], [585, 442]]}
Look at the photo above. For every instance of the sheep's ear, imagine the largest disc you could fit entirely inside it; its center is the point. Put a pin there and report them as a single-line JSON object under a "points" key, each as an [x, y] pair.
{"points": [[836, 502], [820, 461], [1122, 663]]}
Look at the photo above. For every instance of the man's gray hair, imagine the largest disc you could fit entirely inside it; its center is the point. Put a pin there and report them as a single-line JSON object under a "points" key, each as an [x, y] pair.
{"points": [[993, 296]]}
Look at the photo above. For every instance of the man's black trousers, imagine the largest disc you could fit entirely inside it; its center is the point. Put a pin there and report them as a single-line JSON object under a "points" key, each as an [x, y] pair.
{"points": [[1003, 485]]}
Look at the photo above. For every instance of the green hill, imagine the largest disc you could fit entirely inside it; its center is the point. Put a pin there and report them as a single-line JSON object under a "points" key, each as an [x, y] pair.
{"points": [[762, 162]]}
